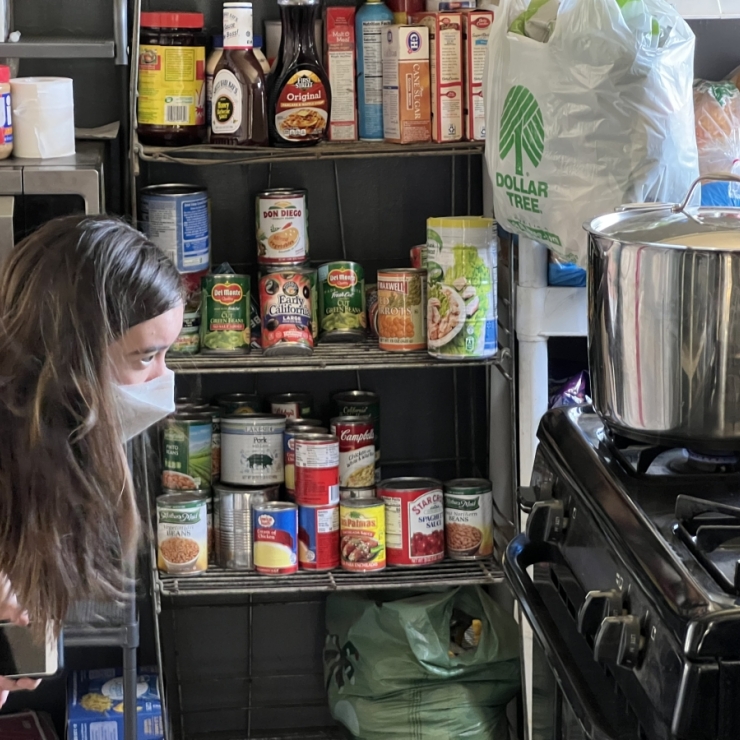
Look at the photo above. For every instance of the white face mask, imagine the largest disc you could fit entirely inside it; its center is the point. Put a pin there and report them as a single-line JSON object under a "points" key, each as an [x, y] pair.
{"points": [[143, 404]]}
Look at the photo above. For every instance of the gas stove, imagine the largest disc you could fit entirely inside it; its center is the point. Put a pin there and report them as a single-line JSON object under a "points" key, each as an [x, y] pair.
{"points": [[636, 588]]}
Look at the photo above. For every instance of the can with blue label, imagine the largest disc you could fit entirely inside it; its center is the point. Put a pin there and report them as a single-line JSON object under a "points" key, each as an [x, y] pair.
{"points": [[318, 537], [177, 219]]}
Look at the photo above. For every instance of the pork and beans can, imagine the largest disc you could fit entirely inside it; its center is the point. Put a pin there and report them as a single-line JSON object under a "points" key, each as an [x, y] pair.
{"points": [[469, 518], [342, 315], [285, 300], [415, 527], [182, 533], [362, 535], [318, 537], [362, 403], [292, 405], [282, 226], [356, 437], [401, 310], [224, 327], [289, 451], [275, 526], [187, 441], [316, 469], [238, 403], [252, 449], [204, 493]]}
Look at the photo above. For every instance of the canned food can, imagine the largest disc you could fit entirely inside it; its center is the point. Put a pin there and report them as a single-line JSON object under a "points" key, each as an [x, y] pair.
{"points": [[371, 303], [316, 469], [239, 403], [304, 422], [417, 256], [362, 403], [275, 526], [342, 315], [289, 451], [362, 535], [204, 493], [191, 285], [252, 449], [177, 219], [292, 405], [187, 440], [401, 310], [285, 299], [215, 413], [415, 527], [192, 405], [356, 437], [469, 518], [233, 519], [282, 226], [351, 493], [318, 537], [305, 269], [225, 322], [188, 340], [182, 533]]}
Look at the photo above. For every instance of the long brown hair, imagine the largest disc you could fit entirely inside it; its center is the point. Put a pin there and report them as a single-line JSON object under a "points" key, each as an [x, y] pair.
{"points": [[68, 513]]}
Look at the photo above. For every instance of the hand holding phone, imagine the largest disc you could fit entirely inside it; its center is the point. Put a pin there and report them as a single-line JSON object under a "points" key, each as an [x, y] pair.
{"points": [[23, 657], [9, 684]]}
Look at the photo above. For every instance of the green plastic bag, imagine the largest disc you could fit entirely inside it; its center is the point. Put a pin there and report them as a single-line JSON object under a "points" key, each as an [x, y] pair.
{"points": [[390, 674]]}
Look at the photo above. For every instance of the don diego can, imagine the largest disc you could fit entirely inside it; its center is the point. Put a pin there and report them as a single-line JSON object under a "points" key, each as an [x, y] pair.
{"points": [[415, 526], [402, 310], [356, 437], [275, 526], [239, 403], [342, 315], [316, 469], [292, 405], [289, 451], [282, 226], [318, 537], [469, 518], [252, 449], [225, 314], [362, 403], [285, 299], [187, 441], [182, 533], [362, 535]]}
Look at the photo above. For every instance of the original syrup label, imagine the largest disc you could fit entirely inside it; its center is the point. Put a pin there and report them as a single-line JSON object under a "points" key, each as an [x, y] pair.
{"points": [[302, 109], [226, 111]]}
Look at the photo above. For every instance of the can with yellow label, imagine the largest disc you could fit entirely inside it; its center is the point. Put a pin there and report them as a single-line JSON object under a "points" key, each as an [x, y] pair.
{"points": [[362, 534]]}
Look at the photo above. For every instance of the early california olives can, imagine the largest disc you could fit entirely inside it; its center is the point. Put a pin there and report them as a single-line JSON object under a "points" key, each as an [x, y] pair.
{"points": [[224, 327], [342, 314]]}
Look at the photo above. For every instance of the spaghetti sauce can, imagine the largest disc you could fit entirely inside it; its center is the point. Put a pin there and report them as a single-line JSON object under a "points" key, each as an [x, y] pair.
{"points": [[415, 525], [282, 226], [275, 527], [401, 310], [285, 304], [356, 437], [318, 537], [316, 469], [362, 535]]}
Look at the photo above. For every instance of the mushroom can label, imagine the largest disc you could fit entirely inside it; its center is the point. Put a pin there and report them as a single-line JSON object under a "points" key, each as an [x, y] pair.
{"points": [[282, 227], [225, 321], [285, 298]]}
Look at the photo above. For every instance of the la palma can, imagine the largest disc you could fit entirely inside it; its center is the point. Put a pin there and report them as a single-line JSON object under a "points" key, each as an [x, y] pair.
{"points": [[275, 527], [316, 469], [318, 537], [285, 300], [362, 535], [224, 327], [415, 527], [356, 450]]}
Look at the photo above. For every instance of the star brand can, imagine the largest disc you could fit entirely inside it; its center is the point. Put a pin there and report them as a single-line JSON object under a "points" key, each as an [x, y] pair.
{"points": [[318, 537], [282, 226], [316, 469], [285, 300], [356, 450], [362, 535], [275, 538], [289, 451]]}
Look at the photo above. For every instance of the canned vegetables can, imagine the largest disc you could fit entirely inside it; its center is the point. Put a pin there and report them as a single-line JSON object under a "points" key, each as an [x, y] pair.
{"points": [[182, 533], [188, 340], [289, 451], [414, 520], [461, 292], [239, 403], [469, 518], [187, 441], [371, 303], [285, 299], [362, 403], [292, 405], [282, 226], [252, 449], [417, 253], [318, 537], [356, 450], [177, 219], [275, 526], [225, 321], [316, 469], [342, 301], [362, 535], [401, 310]]}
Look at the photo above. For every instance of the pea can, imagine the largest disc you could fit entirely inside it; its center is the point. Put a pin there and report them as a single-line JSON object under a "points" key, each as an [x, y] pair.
{"points": [[468, 518], [225, 325], [362, 403], [362, 535], [285, 300], [188, 460], [238, 403], [342, 313], [402, 310], [275, 538], [182, 533]]}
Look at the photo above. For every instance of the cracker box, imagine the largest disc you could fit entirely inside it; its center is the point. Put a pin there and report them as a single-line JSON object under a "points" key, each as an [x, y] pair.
{"points": [[406, 85], [476, 27], [445, 59], [339, 25]]}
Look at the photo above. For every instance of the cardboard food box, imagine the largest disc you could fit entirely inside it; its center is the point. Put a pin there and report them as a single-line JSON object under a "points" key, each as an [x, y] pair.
{"points": [[339, 25], [95, 705], [406, 85], [445, 59], [476, 27]]}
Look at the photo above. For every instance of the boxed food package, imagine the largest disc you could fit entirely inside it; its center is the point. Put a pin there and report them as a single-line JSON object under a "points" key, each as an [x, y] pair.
{"points": [[339, 25], [406, 85], [476, 26], [95, 705], [445, 59], [438, 5]]}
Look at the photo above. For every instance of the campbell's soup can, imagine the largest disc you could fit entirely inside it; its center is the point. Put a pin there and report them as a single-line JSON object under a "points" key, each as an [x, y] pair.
{"points": [[362, 403], [289, 451], [356, 437], [285, 304], [362, 535], [415, 526], [292, 405], [402, 310], [282, 226], [316, 469], [275, 527], [318, 537]]}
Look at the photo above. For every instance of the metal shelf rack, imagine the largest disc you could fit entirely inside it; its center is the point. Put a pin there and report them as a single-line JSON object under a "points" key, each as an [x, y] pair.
{"points": [[57, 47]]}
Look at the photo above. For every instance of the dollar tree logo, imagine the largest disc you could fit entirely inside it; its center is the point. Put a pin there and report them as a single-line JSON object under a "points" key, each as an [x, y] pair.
{"points": [[522, 128]]}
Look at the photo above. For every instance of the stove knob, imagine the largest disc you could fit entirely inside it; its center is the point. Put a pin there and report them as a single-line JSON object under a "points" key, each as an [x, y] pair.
{"points": [[619, 641], [596, 606], [546, 521]]}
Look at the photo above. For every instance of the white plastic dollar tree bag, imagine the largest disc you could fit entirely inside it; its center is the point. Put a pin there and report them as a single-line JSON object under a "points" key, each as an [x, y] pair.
{"points": [[599, 115]]}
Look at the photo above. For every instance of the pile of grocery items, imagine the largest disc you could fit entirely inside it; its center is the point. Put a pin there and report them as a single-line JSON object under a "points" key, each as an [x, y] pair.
{"points": [[408, 73], [278, 490]]}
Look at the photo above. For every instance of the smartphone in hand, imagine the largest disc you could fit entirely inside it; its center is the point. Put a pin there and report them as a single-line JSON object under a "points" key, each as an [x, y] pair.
{"points": [[23, 656]]}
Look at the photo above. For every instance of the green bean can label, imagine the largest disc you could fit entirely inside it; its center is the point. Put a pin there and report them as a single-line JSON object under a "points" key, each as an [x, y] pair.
{"points": [[187, 464], [342, 300], [225, 322]]}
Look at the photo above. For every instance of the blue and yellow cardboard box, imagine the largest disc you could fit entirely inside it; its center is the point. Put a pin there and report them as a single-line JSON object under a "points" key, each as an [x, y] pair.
{"points": [[95, 705]]}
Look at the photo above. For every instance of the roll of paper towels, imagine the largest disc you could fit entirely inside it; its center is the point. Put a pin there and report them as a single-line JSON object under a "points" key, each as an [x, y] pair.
{"points": [[43, 117]]}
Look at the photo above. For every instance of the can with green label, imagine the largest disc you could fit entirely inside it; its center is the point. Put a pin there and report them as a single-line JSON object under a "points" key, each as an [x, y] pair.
{"points": [[468, 518], [224, 327], [342, 316], [187, 443]]}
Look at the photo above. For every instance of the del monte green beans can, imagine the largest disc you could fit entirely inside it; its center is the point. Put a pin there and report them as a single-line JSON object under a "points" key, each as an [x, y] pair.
{"points": [[224, 325], [342, 314]]}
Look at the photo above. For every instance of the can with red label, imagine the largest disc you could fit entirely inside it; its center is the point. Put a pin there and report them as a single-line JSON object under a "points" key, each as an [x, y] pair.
{"points": [[292, 405], [275, 538], [415, 527], [318, 537], [285, 304], [356, 450], [316, 469], [289, 451]]}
